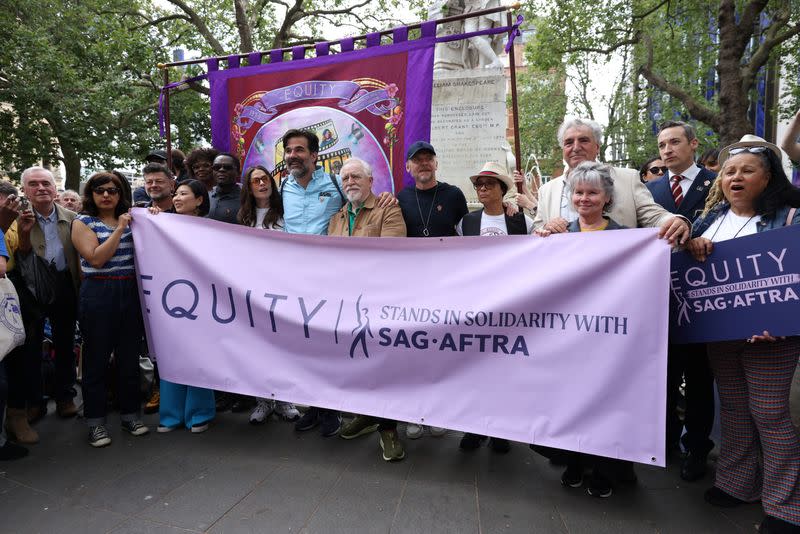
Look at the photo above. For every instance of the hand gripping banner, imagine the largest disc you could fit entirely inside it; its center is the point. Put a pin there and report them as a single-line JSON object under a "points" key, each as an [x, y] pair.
{"points": [[369, 103], [432, 331]]}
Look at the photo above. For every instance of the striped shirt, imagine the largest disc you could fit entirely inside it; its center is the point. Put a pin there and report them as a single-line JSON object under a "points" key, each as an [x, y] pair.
{"points": [[121, 263]]}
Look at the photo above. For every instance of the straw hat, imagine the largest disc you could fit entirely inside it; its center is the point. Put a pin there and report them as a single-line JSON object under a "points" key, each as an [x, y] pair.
{"points": [[493, 169]]}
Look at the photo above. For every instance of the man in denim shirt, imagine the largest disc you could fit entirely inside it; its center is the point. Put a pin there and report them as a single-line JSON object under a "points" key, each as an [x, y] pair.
{"points": [[310, 198]]}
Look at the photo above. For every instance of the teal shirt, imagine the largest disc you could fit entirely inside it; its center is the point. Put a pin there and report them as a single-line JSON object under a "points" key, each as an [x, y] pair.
{"points": [[308, 210]]}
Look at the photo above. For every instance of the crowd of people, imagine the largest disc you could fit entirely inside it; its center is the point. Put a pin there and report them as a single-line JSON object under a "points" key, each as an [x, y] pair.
{"points": [[86, 247]]}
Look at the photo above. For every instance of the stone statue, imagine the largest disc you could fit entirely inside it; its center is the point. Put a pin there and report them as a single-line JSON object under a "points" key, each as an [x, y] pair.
{"points": [[475, 52]]}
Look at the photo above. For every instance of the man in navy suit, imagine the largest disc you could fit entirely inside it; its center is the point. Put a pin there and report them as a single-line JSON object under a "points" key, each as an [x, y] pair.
{"points": [[683, 191]]}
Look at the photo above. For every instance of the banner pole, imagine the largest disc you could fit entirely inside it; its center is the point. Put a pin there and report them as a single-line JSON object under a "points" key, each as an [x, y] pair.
{"points": [[414, 26], [168, 130], [512, 63]]}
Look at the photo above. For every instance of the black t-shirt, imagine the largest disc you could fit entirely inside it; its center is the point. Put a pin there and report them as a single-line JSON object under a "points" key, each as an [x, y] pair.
{"points": [[450, 207]]}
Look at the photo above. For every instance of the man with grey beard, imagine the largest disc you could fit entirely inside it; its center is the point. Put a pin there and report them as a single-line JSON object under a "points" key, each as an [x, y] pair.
{"points": [[361, 216]]}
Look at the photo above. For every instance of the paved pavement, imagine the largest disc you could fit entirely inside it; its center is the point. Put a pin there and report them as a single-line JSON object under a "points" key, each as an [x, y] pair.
{"points": [[237, 478]]}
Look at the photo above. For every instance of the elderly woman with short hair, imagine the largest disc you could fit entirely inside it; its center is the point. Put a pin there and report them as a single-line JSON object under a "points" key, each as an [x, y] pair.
{"points": [[754, 375], [591, 190]]}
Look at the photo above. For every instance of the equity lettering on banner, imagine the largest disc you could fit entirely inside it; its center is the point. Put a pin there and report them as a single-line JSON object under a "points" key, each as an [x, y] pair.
{"points": [[180, 299]]}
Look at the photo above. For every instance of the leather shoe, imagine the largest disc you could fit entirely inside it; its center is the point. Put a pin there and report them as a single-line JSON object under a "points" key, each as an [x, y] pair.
{"points": [[693, 467], [717, 497], [66, 408]]}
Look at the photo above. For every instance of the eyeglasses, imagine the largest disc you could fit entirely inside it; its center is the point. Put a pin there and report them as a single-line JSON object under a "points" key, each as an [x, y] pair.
{"points": [[488, 184], [112, 191], [260, 180], [657, 170], [750, 149], [222, 167]]}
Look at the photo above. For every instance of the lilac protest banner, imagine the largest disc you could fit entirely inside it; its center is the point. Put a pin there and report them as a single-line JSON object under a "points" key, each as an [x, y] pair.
{"points": [[427, 330], [747, 285]]}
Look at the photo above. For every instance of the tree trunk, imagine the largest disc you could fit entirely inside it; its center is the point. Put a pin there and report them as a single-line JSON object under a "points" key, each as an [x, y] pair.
{"points": [[72, 162], [733, 98]]}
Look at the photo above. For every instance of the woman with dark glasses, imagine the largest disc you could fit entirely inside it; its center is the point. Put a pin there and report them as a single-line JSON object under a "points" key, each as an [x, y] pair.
{"points": [[109, 314], [652, 169], [262, 207], [760, 452]]}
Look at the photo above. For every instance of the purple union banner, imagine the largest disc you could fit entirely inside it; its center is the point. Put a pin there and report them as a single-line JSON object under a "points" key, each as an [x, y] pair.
{"points": [[438, 331]]}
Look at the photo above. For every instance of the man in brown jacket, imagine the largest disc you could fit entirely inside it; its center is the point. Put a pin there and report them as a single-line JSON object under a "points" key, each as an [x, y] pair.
{"points": [[361, 217]]}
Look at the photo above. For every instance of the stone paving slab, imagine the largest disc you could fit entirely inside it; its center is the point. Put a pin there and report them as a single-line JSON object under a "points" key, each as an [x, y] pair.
{"points": [[239, 478]]}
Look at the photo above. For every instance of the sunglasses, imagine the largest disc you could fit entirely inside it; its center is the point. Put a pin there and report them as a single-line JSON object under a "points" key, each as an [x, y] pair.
{"points": [[750, 149], [222, 167], [488, 184], [657, 170], [261, 180], [112, 191]]}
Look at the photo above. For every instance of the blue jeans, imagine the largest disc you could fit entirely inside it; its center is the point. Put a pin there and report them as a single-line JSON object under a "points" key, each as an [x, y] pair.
{"points": [[111, 321]]}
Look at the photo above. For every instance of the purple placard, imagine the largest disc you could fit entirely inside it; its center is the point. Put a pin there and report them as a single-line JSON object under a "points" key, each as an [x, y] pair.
{"points": [[574, 360], [747, 285]]}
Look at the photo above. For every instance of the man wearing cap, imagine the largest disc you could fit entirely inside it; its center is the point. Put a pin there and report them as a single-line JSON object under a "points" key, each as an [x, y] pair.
{"points": [[491, 185], [362, 217], [683, 190], [580, 141], [430, 209]]}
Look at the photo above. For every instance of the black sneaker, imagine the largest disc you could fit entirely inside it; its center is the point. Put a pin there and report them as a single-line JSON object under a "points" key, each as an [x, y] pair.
{"points": [[12, 451], [572, 476], [499, 445], [135, 428], [717, 497], [470, 442], [330, 423], [599, 485], [98, 436], [309, 420], [223, 401]]}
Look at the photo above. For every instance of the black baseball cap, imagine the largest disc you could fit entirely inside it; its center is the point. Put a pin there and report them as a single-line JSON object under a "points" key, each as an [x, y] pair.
{"points": [[418, 146], [157, 154]]}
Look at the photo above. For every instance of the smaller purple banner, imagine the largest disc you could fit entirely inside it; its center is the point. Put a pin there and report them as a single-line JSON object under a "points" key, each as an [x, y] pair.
{"points": [[746, 286]]}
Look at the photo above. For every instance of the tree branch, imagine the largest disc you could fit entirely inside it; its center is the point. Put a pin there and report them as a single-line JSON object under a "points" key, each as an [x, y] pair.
{"points": [[650, 11], [156, 22], [342, 11], [243, 26], [697, 109], [198, 23], [605, 51], [761, 55]]}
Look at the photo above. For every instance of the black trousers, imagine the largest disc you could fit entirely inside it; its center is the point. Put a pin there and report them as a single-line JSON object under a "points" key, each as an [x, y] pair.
{"points": [[690, 362], [25, 362]]}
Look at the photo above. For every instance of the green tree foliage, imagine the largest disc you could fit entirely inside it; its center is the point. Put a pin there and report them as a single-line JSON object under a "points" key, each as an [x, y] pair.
{"points": [[70, 84], [672, 50]]}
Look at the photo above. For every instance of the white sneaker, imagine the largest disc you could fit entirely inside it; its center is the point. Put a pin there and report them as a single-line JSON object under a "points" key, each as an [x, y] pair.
{"points": [[261, 412], [437, 431], [414, 431], [286, 411]]}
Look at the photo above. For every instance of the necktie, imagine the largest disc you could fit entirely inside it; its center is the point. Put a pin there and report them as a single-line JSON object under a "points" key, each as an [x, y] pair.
{"points": [[677, 192]]}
